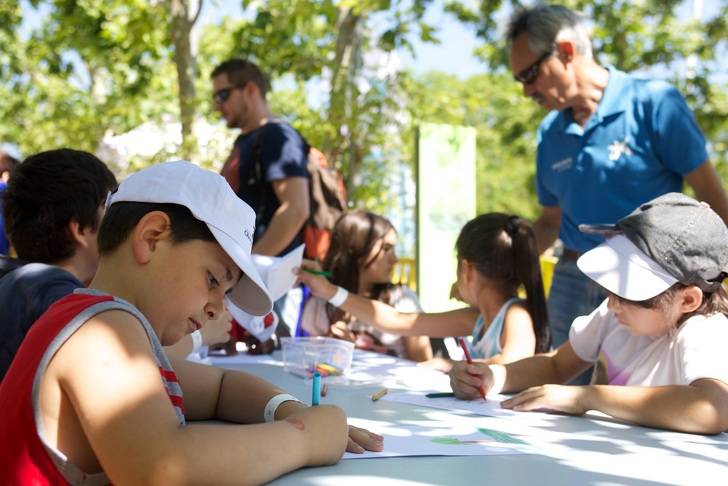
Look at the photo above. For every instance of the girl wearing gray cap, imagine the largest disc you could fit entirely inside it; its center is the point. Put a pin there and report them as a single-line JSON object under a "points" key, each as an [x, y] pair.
{"points": [[662, 330]]}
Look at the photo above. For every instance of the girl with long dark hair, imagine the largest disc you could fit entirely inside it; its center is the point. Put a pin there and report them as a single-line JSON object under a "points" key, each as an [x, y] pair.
{"points": [[361, 258]]}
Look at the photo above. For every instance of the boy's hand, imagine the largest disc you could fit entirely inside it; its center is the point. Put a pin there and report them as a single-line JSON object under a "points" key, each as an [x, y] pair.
{"points": [[326, 429], [320, 287], [216, 331], [361, 440], [466, 379], [560, 398]]}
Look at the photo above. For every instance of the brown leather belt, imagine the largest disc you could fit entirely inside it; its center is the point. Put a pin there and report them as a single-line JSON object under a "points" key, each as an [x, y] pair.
{"points": [[569, 254]]}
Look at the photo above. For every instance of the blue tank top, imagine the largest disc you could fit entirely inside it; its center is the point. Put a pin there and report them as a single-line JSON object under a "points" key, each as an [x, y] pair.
{"points": [[489, 345]]}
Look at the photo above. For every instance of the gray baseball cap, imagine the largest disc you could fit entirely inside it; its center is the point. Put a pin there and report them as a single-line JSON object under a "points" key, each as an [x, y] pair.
{"points": [[672, 238]]}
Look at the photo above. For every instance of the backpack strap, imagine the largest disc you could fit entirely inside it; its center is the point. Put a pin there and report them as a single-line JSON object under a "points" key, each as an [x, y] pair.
{"points": [[258, 174]]}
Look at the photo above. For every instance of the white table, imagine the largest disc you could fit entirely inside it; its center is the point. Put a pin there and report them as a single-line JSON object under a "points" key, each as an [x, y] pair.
{"points": [[571, 450]]}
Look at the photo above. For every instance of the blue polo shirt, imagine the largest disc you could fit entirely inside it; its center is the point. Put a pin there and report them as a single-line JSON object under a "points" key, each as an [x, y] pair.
{"points": [[638, 145]]}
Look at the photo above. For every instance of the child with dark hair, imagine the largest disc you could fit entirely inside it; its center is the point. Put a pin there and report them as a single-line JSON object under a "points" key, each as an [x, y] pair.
{"points": [[496, 256], [54, 209], [662, 330], [361, 258], [91, 397]]}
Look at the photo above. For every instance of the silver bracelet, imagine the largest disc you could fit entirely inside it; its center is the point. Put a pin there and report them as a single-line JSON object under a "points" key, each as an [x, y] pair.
{"points": [[339, 297], [269, 414], [196, 341]]}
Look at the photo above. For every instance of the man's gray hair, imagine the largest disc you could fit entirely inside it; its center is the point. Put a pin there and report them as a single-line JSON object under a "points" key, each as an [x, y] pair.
{"points": [[548, 24]]}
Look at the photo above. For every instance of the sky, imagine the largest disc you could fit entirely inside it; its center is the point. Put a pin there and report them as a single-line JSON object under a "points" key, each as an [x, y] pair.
{"points": [[454, 54]]}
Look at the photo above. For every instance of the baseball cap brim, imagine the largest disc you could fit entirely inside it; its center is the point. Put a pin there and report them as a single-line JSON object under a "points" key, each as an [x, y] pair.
{"points": [[249, 293], [623, 269]]}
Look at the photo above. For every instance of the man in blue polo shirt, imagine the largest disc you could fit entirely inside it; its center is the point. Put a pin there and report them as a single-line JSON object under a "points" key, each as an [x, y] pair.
{"points": [[609, 143]]}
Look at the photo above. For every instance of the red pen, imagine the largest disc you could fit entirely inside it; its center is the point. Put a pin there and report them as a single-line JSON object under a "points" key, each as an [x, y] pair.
{"points": [[463, 345]]}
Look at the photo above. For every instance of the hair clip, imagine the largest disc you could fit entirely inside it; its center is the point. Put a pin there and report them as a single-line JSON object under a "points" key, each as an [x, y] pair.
{"points": [[512, 225]]}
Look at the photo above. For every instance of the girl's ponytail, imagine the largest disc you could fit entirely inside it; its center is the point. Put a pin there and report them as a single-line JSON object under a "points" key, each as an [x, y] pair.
{"points": [[527, 271]]}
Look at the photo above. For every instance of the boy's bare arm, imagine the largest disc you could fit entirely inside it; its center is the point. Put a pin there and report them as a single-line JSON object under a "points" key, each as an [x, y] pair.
{"points": [[118, 404], [215, 393]]}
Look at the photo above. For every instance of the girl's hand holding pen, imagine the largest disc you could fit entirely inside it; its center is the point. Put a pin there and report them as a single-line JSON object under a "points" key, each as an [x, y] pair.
{"points": [[467, 380], [320, 287]]}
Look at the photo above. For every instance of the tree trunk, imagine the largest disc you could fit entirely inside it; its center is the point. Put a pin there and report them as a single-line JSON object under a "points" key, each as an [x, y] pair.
{"points": [[342, 98], [180, 29]]}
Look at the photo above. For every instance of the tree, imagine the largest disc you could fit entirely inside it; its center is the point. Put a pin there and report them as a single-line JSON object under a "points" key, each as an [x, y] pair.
{"points": [[180, 30], [97, 66], [327, 40]]}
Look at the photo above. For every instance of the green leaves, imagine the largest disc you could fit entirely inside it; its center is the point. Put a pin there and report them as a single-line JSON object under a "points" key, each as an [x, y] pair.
{"points": [[93, 67]]}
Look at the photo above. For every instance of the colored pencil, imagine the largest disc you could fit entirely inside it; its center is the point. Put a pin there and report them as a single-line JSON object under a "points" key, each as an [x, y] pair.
{"points": [[316, 390], [464, 345], [379, 394], [323, 273]]}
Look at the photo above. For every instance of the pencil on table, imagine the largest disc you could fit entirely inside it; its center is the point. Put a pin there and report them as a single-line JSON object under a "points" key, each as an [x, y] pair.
{"points": [[379, 394]]}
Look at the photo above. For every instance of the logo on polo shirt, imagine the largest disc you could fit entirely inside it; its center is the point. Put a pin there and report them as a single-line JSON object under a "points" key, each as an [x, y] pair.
{"points": [[247, 235], [561, 165], [617, 148]]}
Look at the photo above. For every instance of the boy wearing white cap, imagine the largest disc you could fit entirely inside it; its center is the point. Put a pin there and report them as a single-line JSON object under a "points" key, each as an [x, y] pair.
{"points": [[663, 329], [91, 397]]}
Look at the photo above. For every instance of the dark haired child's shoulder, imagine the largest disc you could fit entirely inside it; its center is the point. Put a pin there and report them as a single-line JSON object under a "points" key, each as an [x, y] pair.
{"points": [[8, 264]]}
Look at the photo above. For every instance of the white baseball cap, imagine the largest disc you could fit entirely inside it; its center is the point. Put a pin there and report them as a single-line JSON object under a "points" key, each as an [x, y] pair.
{"points": [[211, 200], [623, 269]]}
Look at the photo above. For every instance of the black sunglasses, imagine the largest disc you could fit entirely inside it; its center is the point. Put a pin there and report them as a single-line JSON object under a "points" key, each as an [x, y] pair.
{"points": [[221, 96], [529, 74]]}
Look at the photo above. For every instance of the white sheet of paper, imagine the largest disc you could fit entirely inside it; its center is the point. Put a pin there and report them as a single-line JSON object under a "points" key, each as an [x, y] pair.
{"points": [[439, 439], [490, 407], [277, 272]]}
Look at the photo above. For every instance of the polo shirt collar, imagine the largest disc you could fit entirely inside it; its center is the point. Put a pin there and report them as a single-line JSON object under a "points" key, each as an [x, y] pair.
{"points": [[613, 102]]}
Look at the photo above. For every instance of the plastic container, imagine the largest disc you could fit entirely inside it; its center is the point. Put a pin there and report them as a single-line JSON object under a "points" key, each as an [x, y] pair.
{"points": [[330, 357]]}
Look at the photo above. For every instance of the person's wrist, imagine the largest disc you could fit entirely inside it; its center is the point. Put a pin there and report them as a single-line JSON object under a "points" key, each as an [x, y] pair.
{"points": [[271, 408], [588, 397], [339, 297], [498, 378], [288, 408]]}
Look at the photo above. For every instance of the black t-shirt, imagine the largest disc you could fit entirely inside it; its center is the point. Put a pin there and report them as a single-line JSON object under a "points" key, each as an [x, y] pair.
{"points": [[283, 153]]}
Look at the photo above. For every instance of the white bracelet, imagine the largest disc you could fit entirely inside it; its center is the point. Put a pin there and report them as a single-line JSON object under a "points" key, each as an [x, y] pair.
{"points": [[339, 297], [499, 378], [196, 341], [269, 414]]}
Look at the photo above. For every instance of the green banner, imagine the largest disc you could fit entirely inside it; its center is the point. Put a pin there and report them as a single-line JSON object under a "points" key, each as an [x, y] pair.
{"points": [[445, 202]]}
